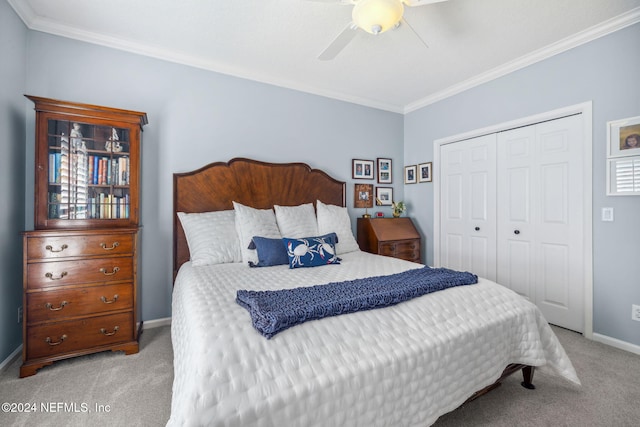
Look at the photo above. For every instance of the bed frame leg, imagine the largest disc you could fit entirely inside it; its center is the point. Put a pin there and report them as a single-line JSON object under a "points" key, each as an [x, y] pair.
{"points": [[527, 375]]}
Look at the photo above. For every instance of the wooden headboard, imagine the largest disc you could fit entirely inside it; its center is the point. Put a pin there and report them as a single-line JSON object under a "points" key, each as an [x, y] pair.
{"points": [[257, 184]]}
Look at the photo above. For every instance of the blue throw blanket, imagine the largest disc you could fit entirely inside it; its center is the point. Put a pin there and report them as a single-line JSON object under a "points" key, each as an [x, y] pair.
{"points": [[275, 311]]}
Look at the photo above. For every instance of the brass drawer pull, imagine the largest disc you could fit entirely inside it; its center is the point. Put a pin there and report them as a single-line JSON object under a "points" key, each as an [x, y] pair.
{"points": [[113, 246], [50, 248], [50, 276], [104, 271], [104, 331], [50, 306], [48, 340], [106, 301]]}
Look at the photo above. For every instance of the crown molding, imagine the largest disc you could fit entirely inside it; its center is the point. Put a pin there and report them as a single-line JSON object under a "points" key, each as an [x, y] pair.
{"points": [[34, 22], [607, 27]]}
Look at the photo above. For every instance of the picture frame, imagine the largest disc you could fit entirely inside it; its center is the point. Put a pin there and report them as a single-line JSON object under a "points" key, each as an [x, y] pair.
{"points": [[362, 169], [623, 137], [384, 196], [425, 172], [384, 170], [363, 196], [410, 174]]}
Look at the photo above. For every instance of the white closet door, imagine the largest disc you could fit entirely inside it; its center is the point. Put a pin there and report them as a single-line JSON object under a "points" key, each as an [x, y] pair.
{"points": [[467, 207], [517, 184], [541, 218]]}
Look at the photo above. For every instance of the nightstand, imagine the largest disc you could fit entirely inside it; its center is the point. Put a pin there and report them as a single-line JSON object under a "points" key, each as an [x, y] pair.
{"points": [[394, 237]]}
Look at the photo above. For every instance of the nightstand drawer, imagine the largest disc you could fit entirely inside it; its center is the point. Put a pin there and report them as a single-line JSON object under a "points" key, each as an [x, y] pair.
{"points": [[65, 337], [387, 249], [409, 250], [47, 274], [61, 304], [63, 246]]}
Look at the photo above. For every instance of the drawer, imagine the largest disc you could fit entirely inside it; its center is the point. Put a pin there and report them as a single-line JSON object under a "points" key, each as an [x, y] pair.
{"points": [[57, 246], [65, 337], [404, 249], [409, 250], [387, 249], [60, 273], [60, 304]]}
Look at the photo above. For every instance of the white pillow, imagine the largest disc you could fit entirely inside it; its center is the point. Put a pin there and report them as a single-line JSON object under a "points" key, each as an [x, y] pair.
{"points": [[252, 222], [335, 219], [296, 221], [211, 237]]}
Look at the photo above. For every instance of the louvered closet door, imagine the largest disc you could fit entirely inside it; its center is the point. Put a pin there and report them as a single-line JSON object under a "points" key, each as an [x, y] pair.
{"points": [[468, 206], [540, 217]]}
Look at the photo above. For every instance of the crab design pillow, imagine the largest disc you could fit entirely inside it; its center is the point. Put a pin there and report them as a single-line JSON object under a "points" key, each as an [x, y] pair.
{"points": [[312, 251]]}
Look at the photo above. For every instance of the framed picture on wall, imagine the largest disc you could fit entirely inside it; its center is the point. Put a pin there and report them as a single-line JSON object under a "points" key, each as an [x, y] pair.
{"points": [[362, 169], [384, 171], [384, 196], [410, 173], [623, 137], [424, 172], [363, 196]]}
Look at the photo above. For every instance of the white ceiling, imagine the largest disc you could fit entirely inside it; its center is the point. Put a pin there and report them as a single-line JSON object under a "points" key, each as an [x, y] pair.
{"points": [[278, 41]]}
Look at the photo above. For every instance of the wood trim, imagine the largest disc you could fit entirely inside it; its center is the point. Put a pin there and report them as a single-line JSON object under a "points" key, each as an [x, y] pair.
{"points": [[89, 110]]}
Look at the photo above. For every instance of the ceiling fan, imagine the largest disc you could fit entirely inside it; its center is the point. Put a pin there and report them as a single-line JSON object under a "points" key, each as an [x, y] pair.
{"points": [[374, 17]]}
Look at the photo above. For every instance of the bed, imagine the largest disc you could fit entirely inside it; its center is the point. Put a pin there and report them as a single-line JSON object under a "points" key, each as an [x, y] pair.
{"points": [[405, 364]]}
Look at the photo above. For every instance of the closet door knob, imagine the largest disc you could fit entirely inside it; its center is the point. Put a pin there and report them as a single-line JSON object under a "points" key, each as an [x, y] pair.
{"points": [[477, 228], [516, 232]]}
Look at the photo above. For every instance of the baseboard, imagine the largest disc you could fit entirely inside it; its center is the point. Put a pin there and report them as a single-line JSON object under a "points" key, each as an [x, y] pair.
{"points": [[9, 360], [157, 323], [614, 342]]}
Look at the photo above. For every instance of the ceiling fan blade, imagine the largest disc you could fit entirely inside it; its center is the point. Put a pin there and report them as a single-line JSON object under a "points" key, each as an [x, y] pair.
{"points": [[339, 43], [406, 24]]}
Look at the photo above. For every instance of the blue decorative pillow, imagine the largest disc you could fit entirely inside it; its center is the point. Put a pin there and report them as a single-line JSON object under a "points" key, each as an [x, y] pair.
{"points": [[270, 252], [312, 251]]}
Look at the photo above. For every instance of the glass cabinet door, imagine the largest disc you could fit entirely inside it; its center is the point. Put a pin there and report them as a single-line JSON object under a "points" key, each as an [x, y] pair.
{"points": [[87, 165], [88, 171]]}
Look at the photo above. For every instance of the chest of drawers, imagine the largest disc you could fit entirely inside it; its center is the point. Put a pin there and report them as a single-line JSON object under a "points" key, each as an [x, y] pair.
{"points": [[80, 294], [395, 237]]}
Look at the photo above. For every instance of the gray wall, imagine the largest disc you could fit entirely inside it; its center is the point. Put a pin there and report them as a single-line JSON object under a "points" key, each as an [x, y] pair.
{"points": [[605, 71], [13, 40], [197, 117]]}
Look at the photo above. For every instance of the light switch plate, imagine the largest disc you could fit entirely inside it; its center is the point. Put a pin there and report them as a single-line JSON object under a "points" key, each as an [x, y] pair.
{"points": [[607, 214]]}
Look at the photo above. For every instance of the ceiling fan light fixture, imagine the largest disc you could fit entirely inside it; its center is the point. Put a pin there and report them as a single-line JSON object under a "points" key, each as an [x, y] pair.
{"points": [[377, 16]]}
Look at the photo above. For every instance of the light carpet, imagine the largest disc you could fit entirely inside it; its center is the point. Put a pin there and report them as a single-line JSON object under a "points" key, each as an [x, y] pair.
{"points": [[110, 389]]}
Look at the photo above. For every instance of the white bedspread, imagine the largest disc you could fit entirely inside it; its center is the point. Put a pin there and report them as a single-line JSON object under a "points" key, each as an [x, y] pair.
{"points": [[402, 365]]}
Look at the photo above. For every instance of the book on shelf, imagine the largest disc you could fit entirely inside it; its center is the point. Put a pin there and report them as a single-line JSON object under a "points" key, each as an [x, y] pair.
{"points": [[114, 171], [107, 206], [90, 169], [52, 167], [96, 169], [108, 172], [101, 166], [54, 205]]}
